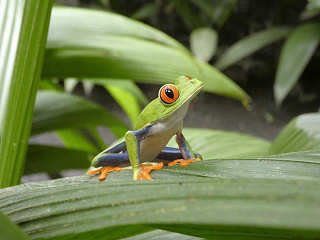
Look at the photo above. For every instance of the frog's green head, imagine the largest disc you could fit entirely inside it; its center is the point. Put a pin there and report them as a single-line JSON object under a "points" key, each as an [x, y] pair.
{"points": [[170, 98], [174, 96]]}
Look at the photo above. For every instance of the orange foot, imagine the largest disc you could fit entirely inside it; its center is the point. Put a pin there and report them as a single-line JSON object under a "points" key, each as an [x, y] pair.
{"points": [[145, 170], [104, 171], [183, 162]]}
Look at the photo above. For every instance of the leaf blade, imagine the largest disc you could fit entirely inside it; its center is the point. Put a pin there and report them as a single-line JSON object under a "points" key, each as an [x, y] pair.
{"points": [[250, 44], [55, 110], [294, 57]]}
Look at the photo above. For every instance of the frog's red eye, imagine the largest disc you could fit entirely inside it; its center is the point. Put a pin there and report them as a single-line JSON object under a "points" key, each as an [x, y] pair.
{"points": [[168, 93]]}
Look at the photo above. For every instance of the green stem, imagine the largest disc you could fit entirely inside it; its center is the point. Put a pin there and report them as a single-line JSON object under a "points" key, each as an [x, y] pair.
{"points": [[23, 33]]}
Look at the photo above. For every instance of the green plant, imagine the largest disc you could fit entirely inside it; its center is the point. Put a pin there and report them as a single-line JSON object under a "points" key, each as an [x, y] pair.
{"points": [[246, 186]]}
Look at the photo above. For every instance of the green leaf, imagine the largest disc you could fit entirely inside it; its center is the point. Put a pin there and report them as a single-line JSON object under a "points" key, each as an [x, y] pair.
{"points": [[312, 9], [97, 55], [203, 43], [23, 33], [55, 111], [52, 160], [78, 21], [8, 230], [218, 11], [213, 144], [161, 235], [77, 139], [294, 57], [222, 85], [126, 94], [251, 44], [205, 199], [124, 84], [301, 134]]}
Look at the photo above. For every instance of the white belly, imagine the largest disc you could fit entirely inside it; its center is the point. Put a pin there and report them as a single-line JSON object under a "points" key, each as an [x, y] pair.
{"points": [[161, 133]]}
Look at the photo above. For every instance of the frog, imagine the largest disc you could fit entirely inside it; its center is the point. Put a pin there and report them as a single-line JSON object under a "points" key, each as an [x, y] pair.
{"points": [[145, 147]]}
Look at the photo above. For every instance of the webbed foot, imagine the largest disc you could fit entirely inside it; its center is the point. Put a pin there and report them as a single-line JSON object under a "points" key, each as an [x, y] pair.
{"points": [[104, 171], [183, 162], [145, 170]]}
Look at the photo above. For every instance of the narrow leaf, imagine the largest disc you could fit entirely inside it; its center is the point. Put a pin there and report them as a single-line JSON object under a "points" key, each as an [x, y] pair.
{"points": [[23, 33], [55, 110], [124, 84], [295, 55], [301, 134], [203, 43], [251, 44]]}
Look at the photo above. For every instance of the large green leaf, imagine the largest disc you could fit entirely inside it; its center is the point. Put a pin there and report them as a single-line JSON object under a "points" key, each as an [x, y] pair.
{"points": [[301, 134], [23, 33], [294, 57], [73, 53], [192, 200], [52, 160], [73, 21], [8, 230], [54, 110], [214, 144], [251, 44]]}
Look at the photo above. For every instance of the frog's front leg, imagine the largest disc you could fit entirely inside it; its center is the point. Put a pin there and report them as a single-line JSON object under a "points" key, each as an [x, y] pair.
{"points": [[186, 151], [133, 142]]}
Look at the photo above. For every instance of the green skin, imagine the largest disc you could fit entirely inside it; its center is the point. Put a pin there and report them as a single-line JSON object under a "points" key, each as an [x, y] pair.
{"points": [[156, 125]]}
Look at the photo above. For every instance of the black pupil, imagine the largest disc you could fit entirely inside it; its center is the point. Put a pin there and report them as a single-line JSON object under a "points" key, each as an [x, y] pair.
{"points": [[169, 93]]}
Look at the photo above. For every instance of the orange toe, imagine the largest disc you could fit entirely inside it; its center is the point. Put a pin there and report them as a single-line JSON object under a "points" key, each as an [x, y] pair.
{"points": [[183, 162], [145, 170], [104, 172]]}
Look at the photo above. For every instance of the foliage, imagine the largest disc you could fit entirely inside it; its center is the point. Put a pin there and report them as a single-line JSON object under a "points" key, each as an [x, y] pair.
{"points": [[245, 186]]}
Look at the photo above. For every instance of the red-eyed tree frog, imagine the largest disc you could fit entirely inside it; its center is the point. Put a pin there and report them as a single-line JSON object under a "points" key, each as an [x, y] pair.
{"points": [[160, 120]]}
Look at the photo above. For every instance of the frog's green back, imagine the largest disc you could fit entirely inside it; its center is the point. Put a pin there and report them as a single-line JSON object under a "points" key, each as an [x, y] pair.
{"points": [[156, 109]]}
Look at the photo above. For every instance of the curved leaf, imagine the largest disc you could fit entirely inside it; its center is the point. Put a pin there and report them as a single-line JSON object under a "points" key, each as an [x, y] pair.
{"points": [[294, 57], [185, 200], [97, 55], [222, 84], [251, 44], [55, 110], [214, 144], [301, 134], [73, 21], [203, 42]]}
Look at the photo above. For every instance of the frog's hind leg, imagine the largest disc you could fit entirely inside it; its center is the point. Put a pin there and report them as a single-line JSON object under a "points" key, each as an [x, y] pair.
{"points": [[110, 161]]}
